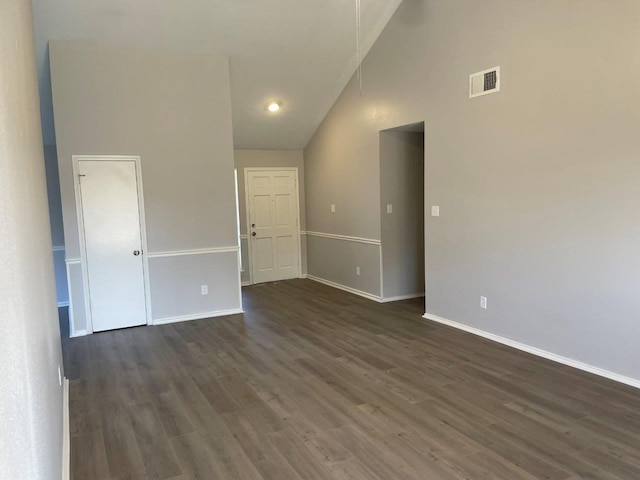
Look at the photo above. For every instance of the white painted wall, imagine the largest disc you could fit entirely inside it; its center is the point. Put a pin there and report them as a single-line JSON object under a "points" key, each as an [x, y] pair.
{"points": [[30, 396], [537, 185], [173, 110]]}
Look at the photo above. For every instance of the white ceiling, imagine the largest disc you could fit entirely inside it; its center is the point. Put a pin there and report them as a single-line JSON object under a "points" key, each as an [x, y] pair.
{"points": [[299, 52]]}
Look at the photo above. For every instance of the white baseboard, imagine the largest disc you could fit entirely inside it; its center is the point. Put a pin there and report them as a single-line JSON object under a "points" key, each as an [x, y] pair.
{"points": [[63, 304], [402, 297], [66, 436], [78, 333], [537, 351], [197, 316], [360, 293], [248, 284]]}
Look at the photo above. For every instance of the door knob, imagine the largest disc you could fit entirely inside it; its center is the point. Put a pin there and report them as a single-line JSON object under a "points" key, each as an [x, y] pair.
{"points": [[253, 225], [253, 234], [136, 252]]}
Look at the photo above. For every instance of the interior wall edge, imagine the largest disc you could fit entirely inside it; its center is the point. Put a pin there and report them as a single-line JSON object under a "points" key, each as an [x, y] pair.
{"points": [[616, 377], [198, 316], [66, 433], [355, 291]]}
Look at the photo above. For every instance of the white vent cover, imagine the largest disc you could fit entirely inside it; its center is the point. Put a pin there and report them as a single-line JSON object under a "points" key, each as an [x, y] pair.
{"points": [[485, 82]]}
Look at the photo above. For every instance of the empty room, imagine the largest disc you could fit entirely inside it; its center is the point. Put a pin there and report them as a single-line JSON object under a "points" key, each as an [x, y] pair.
{"points": [[342, 240]]}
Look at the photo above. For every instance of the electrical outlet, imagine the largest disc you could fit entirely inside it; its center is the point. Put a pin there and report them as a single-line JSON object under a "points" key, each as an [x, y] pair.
{"points": [[483, 303], [59, 375], [204, 289], [333, 208], [358, 271], [389, 208], [435, 211]]}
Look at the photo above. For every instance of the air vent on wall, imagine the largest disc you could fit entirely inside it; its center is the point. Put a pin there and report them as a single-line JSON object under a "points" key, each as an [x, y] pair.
{"points": [[484, 83]]}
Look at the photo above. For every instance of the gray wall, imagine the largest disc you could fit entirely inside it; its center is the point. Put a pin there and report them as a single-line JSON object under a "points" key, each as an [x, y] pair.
{"points": [[537, 185], [30, 395], [175, 112], [402, 186], [268, 158], [339, 172], [55, 219]]}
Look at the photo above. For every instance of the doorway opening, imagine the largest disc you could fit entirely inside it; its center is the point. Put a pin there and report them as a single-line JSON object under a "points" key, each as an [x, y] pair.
{"points": [[402, 197]]}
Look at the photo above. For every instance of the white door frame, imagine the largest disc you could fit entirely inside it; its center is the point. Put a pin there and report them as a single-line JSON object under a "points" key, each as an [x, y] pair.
{"points": [[83, 247], [248, 220]]}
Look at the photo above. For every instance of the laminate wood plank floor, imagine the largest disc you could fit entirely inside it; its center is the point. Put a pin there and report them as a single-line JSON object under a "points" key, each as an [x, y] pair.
{"points": [[314, 383]]}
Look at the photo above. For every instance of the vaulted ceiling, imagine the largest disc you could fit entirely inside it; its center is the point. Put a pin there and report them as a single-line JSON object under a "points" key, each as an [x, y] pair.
{"points": [[300, 53]]}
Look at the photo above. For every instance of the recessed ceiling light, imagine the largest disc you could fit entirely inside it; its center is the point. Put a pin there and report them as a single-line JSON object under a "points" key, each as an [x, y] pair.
{"points": [[273, 107]]}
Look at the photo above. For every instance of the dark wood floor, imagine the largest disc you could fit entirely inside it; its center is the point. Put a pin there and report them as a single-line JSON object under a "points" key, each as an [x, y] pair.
{"points": [[313, 383]]}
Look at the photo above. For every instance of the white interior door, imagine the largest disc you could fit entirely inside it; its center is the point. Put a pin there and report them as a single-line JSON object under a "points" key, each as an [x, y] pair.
{"points": [[274, 235], [113, 243]]}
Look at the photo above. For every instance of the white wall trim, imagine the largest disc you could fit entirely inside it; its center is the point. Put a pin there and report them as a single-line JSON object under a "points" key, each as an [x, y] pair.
{"points": [[339, 286], [537, 351], [77, 333], [58, 248], [66, 436], [368, 241], [72, 332], [402, 297], [197, 316], [303, 232], [238, 261], [63, 304], [381, 273], [245, 284], [199, 251], [71, 261]]}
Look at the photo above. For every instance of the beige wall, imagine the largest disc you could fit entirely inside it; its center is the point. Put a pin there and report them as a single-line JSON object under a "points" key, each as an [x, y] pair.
{"points": [[402, 230], [174, 111], [537, 185], [30, 395], [268, 158]]}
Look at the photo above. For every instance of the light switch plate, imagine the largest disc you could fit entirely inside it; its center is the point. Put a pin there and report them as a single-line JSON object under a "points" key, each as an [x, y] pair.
{"points": [[204, 289], [333, 208], [435, 211], [389, 208], [483, 303]]}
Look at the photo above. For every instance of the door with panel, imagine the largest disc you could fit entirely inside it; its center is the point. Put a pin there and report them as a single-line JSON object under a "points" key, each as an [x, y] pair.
{"points": [[274, 235], [111, 237]]}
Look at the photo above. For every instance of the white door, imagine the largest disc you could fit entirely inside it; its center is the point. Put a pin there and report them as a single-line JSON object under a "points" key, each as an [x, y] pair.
{"points": [[113, 243], [274, 235]]}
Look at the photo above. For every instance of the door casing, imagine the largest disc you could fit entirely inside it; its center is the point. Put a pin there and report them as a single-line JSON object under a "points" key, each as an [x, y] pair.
{"points": [[248, 219], [143, 231]]}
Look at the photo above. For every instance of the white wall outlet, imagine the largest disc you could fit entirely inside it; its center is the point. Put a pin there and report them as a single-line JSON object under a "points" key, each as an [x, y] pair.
{"points": [[483, 303], [358, 271], [389, 208], [435, 211], [59, 375], [333, 208], [204, 289]]}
